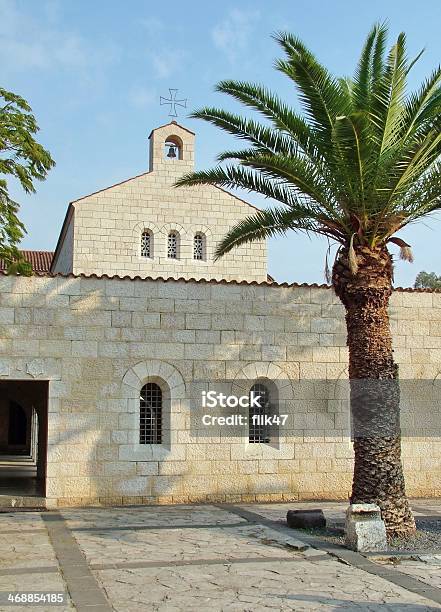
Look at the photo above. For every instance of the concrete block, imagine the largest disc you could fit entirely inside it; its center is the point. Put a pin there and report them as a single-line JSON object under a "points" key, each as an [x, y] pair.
{"points": [[365, 530]]}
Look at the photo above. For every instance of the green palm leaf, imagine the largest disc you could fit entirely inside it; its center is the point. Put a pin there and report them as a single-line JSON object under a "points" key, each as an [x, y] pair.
{"points": [[266, 224], [364, 155]]}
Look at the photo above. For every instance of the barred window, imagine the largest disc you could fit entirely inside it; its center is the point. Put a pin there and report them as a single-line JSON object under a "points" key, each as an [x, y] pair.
{"points": [[172, 245], [258, 431], [198, 246], [150, 414], [146, 244]]}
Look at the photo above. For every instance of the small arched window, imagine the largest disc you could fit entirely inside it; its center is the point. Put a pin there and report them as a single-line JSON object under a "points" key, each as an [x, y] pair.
{"points": [[173, 245], [150, 414], [146, 244], [259, 432], [199, 246]]}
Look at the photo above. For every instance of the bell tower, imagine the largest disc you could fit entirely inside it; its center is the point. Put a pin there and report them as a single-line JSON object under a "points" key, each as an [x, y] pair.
{"points": [[171, 149]]}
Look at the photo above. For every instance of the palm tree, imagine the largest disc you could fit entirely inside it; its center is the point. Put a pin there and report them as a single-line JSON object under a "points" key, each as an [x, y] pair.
{"points": [[360, 163]]}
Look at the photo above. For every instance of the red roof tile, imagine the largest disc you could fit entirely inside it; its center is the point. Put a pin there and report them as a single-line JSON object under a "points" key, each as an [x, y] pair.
{"points": [[40, 260]]}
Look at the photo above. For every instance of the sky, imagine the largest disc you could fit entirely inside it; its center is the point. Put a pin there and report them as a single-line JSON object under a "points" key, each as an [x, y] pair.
{"points": [[93, 73]]}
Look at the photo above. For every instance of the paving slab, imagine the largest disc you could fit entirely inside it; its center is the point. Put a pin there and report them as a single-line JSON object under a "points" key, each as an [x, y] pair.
{"points": [[153, 516], [324, 585], [201, 558], [178, 544]]}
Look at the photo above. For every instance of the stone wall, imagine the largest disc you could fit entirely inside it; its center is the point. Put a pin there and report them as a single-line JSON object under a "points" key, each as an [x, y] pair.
{"points": [[98, 341], [108, 224]]}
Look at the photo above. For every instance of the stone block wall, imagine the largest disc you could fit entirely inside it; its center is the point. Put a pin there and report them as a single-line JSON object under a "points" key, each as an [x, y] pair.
{"points": [[98, 341]]}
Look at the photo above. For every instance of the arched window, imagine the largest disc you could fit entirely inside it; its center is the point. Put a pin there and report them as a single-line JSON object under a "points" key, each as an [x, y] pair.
{"points": [[173, 245], [199, 246], [150, 414], [146, 244], [258, 431]]}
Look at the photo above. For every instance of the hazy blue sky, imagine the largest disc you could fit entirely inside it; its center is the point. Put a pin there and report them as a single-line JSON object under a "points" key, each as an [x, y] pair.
{"points": [[93, 73]]}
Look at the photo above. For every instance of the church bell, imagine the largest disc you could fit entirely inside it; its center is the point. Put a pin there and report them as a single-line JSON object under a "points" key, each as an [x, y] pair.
{"points": [[171, 151]]}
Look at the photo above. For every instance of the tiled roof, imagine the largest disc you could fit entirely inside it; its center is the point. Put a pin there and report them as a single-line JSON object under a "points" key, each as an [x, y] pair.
{"points": [[210, 281], [40, 260]]}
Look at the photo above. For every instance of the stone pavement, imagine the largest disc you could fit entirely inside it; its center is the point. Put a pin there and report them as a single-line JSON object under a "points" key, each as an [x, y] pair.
{"points": [[203, 558]]}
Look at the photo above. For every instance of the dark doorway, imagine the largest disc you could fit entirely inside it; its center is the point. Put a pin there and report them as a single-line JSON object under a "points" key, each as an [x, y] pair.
{"points": [[23, 437], [18, 425]]}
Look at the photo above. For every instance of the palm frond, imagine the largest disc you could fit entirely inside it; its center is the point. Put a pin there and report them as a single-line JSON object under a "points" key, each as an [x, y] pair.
{"points": [[424, 197], [377, 65], [424, 105], [390, 95], [303, 176], [322, 95], [361, 162], [351, 133], [261, 136], [265, 224], [361, 90], [272, 108], [238, 177]]}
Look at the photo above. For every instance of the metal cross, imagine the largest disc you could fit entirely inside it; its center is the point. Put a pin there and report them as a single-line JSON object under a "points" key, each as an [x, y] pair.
{"points": [[173, 102]]}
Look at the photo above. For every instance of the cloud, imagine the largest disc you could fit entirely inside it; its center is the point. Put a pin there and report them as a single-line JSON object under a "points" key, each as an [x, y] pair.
{"points": [[42, 43], [163, 61], [232, 35], [142, 97], [152, 25], [166, 63]]}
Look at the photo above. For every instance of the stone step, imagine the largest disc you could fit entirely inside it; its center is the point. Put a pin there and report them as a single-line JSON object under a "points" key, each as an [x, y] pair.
{"points": [[21, 501]]}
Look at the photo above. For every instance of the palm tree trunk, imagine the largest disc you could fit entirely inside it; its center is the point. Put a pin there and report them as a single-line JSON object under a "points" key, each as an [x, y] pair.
{"points": [[375, 399]]}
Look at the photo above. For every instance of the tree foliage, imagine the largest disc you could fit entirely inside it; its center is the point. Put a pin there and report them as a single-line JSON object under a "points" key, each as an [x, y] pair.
{"points": [[21, 158], [361, 162], [427, 280]]}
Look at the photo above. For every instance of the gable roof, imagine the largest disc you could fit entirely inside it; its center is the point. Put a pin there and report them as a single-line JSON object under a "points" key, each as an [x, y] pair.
{"points": [[132, 178], [174, 123], [40, 260]]}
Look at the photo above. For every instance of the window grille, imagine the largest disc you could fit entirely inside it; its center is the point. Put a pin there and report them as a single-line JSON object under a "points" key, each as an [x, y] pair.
{"points": [[172, 246], [198, 247], [150, 414], [146, 244], [258, 431]]}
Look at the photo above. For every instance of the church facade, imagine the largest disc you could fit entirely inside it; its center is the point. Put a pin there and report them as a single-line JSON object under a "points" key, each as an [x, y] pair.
{"points": [[147, 227], [102, 352]]}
